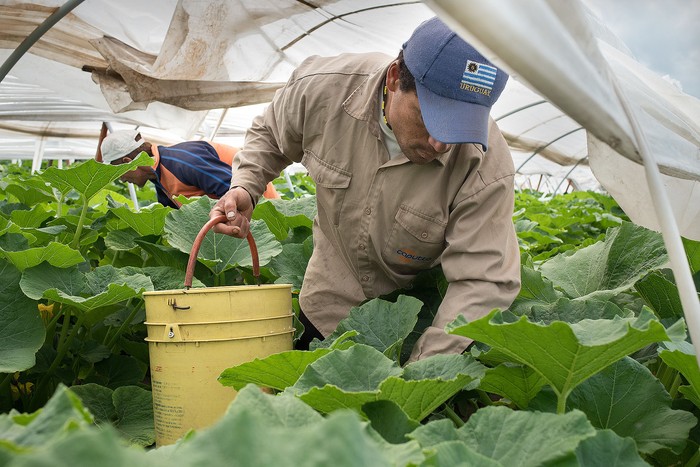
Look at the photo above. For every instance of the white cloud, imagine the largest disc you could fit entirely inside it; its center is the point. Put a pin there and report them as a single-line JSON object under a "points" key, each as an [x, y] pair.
{"points": [[664, 36]]}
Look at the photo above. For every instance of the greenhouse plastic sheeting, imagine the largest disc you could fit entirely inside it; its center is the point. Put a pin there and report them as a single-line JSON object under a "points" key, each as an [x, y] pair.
{"points": [[588, 79], [158, 59]]}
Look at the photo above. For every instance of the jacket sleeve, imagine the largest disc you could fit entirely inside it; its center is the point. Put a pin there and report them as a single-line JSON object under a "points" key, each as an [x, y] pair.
{"points": [[481, 263], [273, 141]]}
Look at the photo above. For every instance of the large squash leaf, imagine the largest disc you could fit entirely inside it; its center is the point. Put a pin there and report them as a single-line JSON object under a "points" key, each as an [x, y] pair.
{"points": [[90, 176], [608, 267], [565, 354], [21, 330], [218, 252], [353, 377], [98, 288], [626, 398]]}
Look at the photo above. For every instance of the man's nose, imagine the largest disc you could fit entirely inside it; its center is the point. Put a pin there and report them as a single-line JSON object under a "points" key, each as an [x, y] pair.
{"points": [[438, 146]]}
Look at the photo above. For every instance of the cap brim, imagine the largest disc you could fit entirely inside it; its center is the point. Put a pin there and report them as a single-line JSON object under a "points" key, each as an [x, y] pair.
{"points": [[451, 121]]}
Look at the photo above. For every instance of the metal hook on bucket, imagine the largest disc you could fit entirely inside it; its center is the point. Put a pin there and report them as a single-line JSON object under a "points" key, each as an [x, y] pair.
{"points": [[198, 242]]}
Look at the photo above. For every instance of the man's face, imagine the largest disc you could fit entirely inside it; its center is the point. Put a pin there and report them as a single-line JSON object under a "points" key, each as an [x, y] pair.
{"points": [[139, 176], [404, 116]]}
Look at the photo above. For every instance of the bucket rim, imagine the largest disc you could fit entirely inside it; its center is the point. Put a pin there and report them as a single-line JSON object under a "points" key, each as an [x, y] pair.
{"points": [[226, 288]]}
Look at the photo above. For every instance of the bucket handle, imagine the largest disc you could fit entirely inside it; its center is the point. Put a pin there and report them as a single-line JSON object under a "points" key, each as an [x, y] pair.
{"points": [[198, 242]]}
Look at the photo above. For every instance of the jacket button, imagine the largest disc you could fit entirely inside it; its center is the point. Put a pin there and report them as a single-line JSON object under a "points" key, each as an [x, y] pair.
{"points": [[368, 211], [361, 246], [424, 235], [365, 278]]}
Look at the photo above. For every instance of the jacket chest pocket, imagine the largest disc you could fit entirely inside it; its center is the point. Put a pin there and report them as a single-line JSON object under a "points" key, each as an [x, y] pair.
{"points": [[415, 241], [331, 184]]}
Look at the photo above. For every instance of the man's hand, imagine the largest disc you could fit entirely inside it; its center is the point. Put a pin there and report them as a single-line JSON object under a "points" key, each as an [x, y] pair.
{"points": [[237, 206]]}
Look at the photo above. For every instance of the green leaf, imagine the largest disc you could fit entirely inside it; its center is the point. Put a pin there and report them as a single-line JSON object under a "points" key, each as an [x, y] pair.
{"points": [[519, 383], [299, 437], [62, 414], [22, 331], [606, 268], [163, 277], [357, 369], [380, 323], [98, 400], [164, 255], [89, 177], [512, 437], [456, 453], [661, 294], [56, 254], [134, 409], [276, 221], [117, 371], [353, 377], [607, 449], [277, 371], [32, 218], [290, 265], [39, 279], [103, 286], [94, 447], [121, 240], [149, 221], [129, 409], [389, 420], [692, 251], [566, 354], [29, 191], [518, 438], [626, 398], [218, 252], [427, 384], [681, 356]]}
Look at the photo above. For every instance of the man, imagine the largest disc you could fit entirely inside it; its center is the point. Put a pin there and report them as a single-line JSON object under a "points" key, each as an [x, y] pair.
{"points": [[192, 168], [411, 172]]}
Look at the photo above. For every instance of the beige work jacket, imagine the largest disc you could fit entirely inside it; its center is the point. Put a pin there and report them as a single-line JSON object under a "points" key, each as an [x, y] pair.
{"points": [[382, 221]]}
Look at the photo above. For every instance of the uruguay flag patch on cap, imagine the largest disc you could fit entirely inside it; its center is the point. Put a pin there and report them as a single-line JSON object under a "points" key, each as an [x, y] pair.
{"points": [[479, 74]]}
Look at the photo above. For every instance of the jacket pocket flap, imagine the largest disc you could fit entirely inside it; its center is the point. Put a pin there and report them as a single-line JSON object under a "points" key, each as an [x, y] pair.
{"points": [[421, 226], [325, 174]]}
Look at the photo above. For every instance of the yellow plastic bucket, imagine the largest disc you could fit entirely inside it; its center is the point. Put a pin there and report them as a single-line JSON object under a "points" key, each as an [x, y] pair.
{"points": [[195, 334]]}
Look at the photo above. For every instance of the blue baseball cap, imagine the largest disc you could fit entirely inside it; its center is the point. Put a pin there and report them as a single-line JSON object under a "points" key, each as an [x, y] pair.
{"points": [[456, 85]]}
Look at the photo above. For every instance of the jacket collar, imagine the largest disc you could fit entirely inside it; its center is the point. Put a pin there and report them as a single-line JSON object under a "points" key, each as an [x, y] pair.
{"points": [[363, 104]]}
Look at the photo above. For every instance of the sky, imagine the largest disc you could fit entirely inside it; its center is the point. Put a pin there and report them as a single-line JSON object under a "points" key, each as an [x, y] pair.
{"points": [[664, 35]]}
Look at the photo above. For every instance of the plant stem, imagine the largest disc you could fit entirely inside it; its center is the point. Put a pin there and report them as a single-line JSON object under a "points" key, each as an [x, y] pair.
{"points": [[65, 345], [561, 403], [673, 391], [64, 334], [59, 207], [695, 460], [452, 415], [484, 398], [51, 327], [79, 229], [127, 321]]}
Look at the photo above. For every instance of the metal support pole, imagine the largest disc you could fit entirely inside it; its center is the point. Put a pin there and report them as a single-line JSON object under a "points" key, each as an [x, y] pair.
{"points": [[31, 39]]}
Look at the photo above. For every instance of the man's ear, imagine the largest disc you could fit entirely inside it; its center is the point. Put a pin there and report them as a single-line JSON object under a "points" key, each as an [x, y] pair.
{"points": [[392, 76]]}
